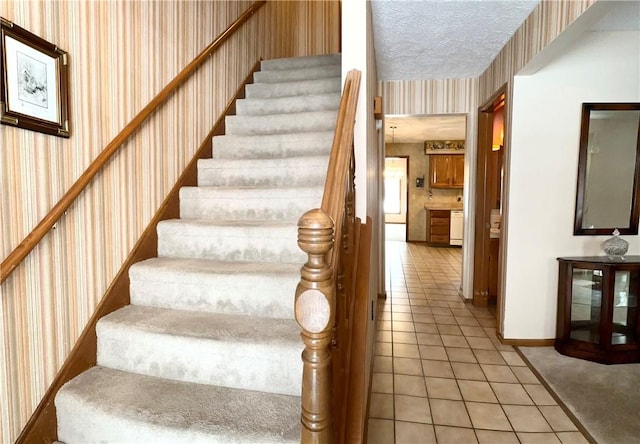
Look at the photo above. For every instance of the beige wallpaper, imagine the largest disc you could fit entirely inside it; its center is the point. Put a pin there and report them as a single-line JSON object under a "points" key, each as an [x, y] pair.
{"points": [[121, 54]]}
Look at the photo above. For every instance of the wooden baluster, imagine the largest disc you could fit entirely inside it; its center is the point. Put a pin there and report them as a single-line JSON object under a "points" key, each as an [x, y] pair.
{"points": [[314, 311]]}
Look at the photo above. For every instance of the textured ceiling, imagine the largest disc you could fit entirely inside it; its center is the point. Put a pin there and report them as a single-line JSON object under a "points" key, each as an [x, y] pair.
{"points": [[442, 39]]}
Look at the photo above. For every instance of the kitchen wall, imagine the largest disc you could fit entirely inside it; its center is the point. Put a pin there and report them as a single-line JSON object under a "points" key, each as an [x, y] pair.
{"points": [[419, 167], [121, 54], [547, 109]]}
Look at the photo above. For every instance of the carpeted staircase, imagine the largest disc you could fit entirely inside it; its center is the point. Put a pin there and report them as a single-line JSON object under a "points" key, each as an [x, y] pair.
{"points": [[209, 350]]}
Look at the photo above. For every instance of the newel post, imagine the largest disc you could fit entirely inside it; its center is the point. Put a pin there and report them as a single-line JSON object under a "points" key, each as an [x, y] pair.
{"points": [[315, 313]]}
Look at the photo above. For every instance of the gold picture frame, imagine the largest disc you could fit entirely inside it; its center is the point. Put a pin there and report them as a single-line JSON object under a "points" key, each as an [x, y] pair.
{"points": [[34, 83]]}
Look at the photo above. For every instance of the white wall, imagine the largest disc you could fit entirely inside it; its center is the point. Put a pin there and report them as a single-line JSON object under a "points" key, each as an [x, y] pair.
{"points": [[601, 67]]}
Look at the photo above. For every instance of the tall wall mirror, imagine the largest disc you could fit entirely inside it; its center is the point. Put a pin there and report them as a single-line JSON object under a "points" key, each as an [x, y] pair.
{"points": [[608, 194]]}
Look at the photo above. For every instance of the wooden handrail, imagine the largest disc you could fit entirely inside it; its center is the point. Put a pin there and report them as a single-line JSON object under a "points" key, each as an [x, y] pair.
{"points": [[14, 259]]}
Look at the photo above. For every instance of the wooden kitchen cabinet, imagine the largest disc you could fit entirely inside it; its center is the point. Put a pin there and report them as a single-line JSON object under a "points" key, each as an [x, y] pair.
{"points": [[446, 171], [438, 222]]}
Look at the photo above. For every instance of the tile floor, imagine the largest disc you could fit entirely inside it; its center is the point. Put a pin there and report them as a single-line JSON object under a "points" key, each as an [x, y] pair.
{"points": [[440, 373]]}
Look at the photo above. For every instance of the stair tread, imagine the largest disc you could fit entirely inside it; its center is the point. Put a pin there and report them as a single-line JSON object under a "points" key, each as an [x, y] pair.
{"points": [[268, 146], [262, 163], [293, 62], [288, 105], [205, 325], [168, 265], [125, 406], [238, 193]]}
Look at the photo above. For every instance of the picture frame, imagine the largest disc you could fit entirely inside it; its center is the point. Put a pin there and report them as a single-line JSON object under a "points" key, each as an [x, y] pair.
{"points": [[34, 82]]}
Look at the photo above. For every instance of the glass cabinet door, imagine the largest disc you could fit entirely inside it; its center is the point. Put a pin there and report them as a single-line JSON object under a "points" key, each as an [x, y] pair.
{"points": [[586, 303], [625, 307]]}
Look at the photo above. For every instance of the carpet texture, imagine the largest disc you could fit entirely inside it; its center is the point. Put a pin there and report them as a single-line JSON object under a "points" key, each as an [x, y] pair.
{"points": [[209, 350], [604, 398]]}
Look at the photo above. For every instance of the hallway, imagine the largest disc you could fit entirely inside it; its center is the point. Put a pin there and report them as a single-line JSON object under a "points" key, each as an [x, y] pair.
{"points": [[440, 373]]}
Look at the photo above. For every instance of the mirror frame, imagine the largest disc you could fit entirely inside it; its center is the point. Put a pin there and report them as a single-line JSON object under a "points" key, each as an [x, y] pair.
{"points": [[634, 214]]}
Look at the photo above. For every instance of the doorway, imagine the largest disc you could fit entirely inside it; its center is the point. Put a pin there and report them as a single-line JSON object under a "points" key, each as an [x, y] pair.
{"points": [[487, 267], [396, 171]]}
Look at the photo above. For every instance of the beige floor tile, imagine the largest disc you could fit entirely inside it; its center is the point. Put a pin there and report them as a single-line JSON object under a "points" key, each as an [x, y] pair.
{"points": [[381, 406], [466, 370], [406, 351], [380, 431], [428, 338], [468, 330], [432, 352], [451, 413], [526, 418], [402, 326], [441, 304], [419, 301], [383, 316], [489, 357], [513, 358], [426, 328], [402, 317], [498, 373], [382, 383], [467, 321], [557, 419], [443, 319], [446, 311], [424, 318], [524, 375], [409, 385], [481, 343], [461, 312], [477, 391], [487, 322], [407, 366], [397, 301], [539, 394], [413, 433], [460, 354], [384, 325], [511, 393], [421, 309], [383, 336], [572, 438], [412, 409], [442, 388], [383, 348], [402, 309], [487, 416], [445, 329], [383, 364], [455, 435], [438, 369], [400, 337], [454, 341], [538, 438], [495, 437]]}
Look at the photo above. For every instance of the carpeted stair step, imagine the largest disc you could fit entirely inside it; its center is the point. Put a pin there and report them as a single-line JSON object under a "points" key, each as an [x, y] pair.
{"points": [[244, 352], [272, 146], [300, 62], [279, 172], [284, 105], [245, 241], [303, 73], [248, 203], [310, 121], [243, 288], [113, 406], [293, 88]]}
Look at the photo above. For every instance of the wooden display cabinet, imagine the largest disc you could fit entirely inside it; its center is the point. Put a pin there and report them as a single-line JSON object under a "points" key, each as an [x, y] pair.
{"points": [[597, 316], [446, 171]]}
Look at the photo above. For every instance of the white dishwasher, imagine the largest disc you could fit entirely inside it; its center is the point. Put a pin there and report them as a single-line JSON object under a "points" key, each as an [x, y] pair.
{"points": [[455, 229]]}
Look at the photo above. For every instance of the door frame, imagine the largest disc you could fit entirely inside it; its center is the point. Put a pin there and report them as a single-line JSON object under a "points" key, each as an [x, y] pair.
{"points": [[483, 206], [406, 197]]}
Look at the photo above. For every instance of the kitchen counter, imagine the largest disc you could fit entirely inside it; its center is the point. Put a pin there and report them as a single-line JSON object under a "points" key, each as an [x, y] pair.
{"points": [[443, 205]]}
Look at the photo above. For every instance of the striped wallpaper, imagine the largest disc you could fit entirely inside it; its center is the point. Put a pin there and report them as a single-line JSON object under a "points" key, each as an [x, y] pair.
{"points": [[121, 53]]}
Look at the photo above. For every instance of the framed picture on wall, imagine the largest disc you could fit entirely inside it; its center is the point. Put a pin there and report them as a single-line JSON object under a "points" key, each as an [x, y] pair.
{"points": [[34, 87]]}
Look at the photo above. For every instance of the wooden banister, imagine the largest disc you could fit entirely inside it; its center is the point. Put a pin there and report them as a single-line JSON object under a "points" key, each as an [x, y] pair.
{"points": [[14, 259], [325, 295]]}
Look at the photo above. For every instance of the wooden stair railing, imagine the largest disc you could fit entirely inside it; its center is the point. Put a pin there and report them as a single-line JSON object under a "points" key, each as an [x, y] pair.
{"points": [[326, 297], [14, 259]]}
